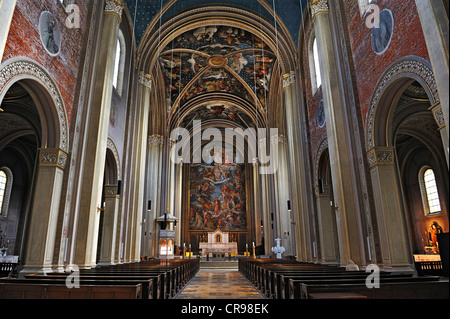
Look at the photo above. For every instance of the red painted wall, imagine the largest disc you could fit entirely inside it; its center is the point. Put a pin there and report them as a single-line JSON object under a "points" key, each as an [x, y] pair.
{"points": [[407, 40], [24, 41]]}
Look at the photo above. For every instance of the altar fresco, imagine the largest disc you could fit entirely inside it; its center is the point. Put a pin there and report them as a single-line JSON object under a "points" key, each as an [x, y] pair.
{"points": [[217, 198]]}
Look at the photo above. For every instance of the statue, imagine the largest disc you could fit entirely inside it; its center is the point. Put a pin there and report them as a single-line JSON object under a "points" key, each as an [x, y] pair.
{"points": [[278, 249]]}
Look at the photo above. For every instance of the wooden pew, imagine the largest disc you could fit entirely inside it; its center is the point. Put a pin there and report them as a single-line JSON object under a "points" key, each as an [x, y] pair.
{"points": [[164, 283], [264, 274], [176, 273], [271, 276], [57, 289], [293, 288], [149, 284], [280, 280], [418, 288]]}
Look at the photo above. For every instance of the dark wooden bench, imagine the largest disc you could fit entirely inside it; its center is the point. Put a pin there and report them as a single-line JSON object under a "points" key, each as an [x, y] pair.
{"points": [[418, 288], [280, 283], [390, 288], [293, 288], [176, 273], [150, 284], [57, 289], [265, 274], [164, 285], [273, 278]]}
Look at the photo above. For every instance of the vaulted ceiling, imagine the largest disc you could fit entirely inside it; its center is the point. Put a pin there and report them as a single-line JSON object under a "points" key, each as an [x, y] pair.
{"points": [[289, 12], [218, 60]]}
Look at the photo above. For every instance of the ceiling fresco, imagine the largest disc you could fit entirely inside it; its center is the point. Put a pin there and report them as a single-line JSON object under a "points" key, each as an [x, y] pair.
{"points": [[217, 111], [217, 59], [143, 12]]}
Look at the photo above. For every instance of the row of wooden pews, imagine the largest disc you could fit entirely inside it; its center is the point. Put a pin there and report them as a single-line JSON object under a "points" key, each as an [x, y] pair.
{"points": [[288, 279], [155, 279]]}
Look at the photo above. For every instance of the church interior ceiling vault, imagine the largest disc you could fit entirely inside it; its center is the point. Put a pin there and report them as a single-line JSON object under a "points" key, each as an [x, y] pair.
{"points": [[217, 71]]}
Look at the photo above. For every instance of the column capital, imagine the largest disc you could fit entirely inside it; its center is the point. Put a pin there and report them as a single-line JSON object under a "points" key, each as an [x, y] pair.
{"points": [[381, 155], [52, 157], [438, 114], [155, 139], [115, 6], [111, 191], [317, 6], [145, 80], [326, 191], [288, 79]]}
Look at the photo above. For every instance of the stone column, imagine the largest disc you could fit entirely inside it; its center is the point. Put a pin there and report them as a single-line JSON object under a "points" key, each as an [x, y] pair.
{"points": [[327, 227], [434, 19], [6, 13], [299, 184], [438, 114], [283, 195], [45, 209], [178, 200], [87, 219], [141, 140], [257, 202], [109, 231], [154, 191], [350, 228], [392, 228]]}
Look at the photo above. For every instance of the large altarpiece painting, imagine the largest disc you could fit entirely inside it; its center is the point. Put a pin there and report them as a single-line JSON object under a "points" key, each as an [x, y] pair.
{"points": [[217, 198]]}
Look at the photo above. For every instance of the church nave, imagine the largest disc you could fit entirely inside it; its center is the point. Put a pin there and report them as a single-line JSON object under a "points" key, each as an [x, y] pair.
{"points": [[219, 283]]}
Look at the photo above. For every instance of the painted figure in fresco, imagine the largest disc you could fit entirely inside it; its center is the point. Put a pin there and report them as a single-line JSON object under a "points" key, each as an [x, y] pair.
{"points": [[222, 202]]}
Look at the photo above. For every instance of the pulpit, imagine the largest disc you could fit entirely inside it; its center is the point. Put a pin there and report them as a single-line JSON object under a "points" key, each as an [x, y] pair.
{"points": [[219, 244], [166, 236]]}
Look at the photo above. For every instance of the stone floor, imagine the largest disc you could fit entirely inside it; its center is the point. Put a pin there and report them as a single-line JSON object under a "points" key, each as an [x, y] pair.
{"points": [[219, 283]]}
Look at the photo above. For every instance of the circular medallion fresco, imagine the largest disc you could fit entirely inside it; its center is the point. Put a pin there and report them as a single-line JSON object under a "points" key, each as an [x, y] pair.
{"points": [[217, 61], [321, 114], [50, 33], [382, 36]]}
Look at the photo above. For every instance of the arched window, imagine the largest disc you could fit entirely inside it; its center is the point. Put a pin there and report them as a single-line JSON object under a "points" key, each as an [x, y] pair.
{"points": [[119, 63], [6, 180], [428, 188], [314, 65]]}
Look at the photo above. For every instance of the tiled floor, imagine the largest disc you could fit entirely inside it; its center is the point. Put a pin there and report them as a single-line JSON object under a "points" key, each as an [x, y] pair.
{"points": [[219, 284]]}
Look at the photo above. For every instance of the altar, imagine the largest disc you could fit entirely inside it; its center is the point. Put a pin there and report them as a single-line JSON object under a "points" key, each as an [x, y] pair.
{"points": [[218, 243]]}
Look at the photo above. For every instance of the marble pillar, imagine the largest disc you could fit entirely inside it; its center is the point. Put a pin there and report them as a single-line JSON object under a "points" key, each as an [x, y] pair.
{"points": [[155, 143], [140, 155], [299, 184], [257, 204], [109, 229], [350, 223], [44, 212], [434, 20], [87, 219], [392, 225], [327, 227], [282, 194], [438, 114]]}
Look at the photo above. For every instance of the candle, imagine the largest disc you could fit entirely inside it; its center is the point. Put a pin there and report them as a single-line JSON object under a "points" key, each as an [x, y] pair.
{"points": [[253, 244]]}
